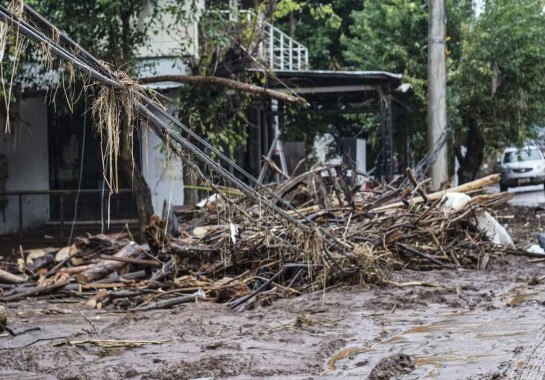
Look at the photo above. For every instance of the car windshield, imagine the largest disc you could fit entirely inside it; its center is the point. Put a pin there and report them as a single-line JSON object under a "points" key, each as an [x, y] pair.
{"points": [[522, 155]]}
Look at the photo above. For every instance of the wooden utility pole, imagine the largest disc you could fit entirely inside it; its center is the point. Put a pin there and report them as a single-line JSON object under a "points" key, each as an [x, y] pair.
{"points": [[437, 90]]}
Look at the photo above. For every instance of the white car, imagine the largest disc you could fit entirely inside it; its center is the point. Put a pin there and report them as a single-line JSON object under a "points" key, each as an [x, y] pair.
{"points": [[522, 167]]}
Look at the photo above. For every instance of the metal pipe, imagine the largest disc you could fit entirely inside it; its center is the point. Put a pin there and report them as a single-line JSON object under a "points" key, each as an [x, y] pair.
{"points": [[282, 52], [20, 214], [290, 54], [58, 192], [271, 47], [26, 30]]}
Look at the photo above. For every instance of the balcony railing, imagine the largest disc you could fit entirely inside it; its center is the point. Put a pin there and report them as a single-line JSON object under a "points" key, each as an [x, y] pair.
{"points": [[277, 50], [281, 51]]}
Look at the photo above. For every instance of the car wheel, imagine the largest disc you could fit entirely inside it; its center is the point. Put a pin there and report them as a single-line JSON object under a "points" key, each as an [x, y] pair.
{"points": [[503, 187]]}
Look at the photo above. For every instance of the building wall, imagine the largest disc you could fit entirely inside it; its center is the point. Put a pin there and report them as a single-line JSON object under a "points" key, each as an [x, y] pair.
{"points": [[28, 166], [162, 172], [169, 37], [164, 56]]}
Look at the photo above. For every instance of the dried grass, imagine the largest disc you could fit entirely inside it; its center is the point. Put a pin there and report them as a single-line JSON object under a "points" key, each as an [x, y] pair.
{"points": [[15, 6]]}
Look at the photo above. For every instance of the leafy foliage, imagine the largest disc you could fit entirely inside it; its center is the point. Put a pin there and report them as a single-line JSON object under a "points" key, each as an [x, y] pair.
{"points": [[499, 81], [392, 35], [495, 84], [319, 25], [213, 111], [109, 29]]}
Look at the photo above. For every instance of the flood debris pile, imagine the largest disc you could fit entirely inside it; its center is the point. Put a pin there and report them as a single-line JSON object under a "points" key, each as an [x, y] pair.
{"points": [[231, 250]]}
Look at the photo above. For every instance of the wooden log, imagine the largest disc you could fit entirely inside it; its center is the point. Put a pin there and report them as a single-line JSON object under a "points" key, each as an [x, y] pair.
{"points": [[42, 262], [33, 292], [422, 254], [225, 82], [466, 187], [8, 278], [61, 264], [76, 270], [521, 252], [3, 318], [149, 263], [104, 268], [167, 304]]}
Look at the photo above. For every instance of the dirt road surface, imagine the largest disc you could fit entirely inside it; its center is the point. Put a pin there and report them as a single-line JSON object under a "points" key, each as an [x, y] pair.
{"points": [[528, 196], [469, 325]]}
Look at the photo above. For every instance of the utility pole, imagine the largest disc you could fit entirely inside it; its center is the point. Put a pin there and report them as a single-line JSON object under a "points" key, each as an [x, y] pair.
{"points": [[437, 90]]}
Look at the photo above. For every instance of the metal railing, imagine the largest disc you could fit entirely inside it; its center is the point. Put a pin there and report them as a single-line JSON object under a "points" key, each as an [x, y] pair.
{"points": [[278, 51], [61, 194], [281, 51]]}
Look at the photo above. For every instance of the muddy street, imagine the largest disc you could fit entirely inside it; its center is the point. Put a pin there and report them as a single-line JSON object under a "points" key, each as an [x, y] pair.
{"points": [[452, 323], [284, 190], [462, 324]]}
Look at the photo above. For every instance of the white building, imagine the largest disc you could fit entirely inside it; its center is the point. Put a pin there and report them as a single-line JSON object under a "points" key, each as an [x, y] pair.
{"points": [[40, 162]]}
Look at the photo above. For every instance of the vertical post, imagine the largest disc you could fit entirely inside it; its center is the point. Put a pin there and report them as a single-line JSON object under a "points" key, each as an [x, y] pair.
{"points": [[20, 214], [291, 54], [271, 47], [258, 142], [233, 10], [61, 212], [278, 133], [437, 90], [281, 51], [386, 163]]}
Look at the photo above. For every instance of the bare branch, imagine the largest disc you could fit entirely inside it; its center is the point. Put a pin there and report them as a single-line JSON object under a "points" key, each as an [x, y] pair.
{"points": [[235, 85]]}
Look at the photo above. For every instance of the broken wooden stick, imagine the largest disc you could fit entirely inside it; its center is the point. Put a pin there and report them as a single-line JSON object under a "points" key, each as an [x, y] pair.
{"points": [[466, 187], [104, 268], [34, 292], [166, 304], [9, 278], [130, 260], [417, 186]]}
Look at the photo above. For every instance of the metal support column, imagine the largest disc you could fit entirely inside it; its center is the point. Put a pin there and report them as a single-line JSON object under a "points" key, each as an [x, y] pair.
{"points": [[276, 146], [387, 136]]}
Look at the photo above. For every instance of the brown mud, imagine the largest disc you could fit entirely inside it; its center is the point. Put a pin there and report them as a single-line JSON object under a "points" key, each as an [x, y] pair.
{"points": [[462, 324]]}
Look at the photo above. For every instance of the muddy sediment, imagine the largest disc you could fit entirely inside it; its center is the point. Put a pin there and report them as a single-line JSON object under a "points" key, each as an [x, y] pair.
{"points": [[449, 324], [462, 322]]}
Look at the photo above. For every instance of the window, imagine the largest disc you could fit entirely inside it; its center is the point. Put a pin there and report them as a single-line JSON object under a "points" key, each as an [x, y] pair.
{"points": [[522, 155]]}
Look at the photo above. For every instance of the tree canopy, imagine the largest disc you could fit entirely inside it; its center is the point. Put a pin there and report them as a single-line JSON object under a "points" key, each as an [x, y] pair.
{"points": [[499, 80], [495, 60]]}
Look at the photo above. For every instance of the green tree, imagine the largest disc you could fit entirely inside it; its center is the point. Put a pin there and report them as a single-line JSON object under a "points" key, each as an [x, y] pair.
{"points": [[319, 25], [499, 81], [392, 35]]}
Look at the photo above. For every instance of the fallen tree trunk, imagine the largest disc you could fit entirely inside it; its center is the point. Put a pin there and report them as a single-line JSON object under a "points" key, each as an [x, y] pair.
{"points": [[104, 268], [235, 85], [465, 188]]}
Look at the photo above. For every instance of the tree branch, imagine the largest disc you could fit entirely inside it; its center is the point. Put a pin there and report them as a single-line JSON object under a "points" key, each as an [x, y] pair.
{"points": [[235, 85]]}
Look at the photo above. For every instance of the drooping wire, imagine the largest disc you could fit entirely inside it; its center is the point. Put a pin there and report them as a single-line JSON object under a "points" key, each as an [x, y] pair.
{"points": [[89, 64], [84, 134]]}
